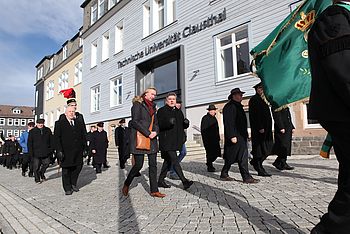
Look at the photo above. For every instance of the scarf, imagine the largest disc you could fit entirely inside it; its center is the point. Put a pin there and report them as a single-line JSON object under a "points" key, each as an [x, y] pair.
{"points": [[149, 105]]}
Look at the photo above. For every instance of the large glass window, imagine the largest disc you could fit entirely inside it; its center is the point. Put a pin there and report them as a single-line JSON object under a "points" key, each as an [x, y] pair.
{"points": [[233, 57], [95, 98], [101, 8], [116, 91]]}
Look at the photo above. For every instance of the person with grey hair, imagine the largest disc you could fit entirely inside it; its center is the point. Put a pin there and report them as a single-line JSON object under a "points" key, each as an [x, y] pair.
{"points": [[70, 139]]}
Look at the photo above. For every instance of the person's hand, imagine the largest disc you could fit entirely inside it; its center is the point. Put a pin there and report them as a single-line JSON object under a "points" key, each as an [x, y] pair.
{"points": [[172, 121], [293, 131], [152, 135], [93, 151], [283, 131], [60, 156], [234, 140], [262, 130], [186, 122]]}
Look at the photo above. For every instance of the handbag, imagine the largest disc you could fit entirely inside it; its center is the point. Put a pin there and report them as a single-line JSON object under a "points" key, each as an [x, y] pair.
{"points": [[143, 142]]}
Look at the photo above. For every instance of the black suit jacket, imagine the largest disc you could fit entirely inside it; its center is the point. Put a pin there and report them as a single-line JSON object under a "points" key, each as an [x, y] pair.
{"points": [[329, 51], [40, 145], [71, 141]]}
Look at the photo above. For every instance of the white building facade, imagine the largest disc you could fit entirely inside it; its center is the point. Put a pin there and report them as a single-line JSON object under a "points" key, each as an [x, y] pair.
{"points": [[198, 49]]}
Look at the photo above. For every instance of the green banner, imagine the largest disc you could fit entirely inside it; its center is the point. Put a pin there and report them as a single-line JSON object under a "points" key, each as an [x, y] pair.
{"points": [[281, 59]]}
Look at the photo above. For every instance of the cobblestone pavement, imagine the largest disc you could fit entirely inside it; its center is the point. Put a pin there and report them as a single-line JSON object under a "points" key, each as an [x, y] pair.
{"points": [[287, 202]]}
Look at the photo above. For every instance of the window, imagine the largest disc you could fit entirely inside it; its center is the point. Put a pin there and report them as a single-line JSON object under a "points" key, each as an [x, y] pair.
{"points": [[171, 14], [119, 34], [2, 121], [36, 98], [309, 123], [105, 46], [16, 133], [63, 81], [23, 122], [93, 54], [51, 64], [16, 122], [111, 3], [50, 89], [32, 120], [81, 42], [160, 15], [9, 133], [40, 73], [78, 72], [65, 50], [16, 111], [233, 54], [93, 14], [116, 91], [101, 8], [146, 19], [95, 99], [9, 122]]}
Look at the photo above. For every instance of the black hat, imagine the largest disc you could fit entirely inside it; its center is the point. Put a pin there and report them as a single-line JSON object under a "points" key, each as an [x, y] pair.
{"points": [[211, 107], [122, 121], [234, 91], [40, 121], [100, 124], [257, 85], [71, 100]]}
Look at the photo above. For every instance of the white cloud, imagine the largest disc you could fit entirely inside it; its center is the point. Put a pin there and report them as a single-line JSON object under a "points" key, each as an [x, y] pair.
{"points": [[58, 19]]}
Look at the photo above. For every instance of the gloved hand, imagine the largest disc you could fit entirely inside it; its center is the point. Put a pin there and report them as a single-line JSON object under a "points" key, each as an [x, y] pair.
{"points": [[60, 156], [186, 122]]}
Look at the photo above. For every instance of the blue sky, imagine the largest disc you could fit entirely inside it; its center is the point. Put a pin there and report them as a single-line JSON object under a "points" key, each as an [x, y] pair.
{"points": [[30, 30]]}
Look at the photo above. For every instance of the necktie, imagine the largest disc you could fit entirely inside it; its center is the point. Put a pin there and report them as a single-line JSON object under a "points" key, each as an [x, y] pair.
{"points": [[72, 123]]}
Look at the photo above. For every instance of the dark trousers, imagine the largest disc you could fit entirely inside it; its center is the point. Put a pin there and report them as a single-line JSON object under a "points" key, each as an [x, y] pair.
{"points": [[98, 167], [242, 164], [27, 163], [152, 163], [9, 161], [39, 167], [337, 219], [171, 159], [70, 176]]}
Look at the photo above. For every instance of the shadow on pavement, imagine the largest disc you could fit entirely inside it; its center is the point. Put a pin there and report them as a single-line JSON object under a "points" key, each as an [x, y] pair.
{"points": [[127, 220]]}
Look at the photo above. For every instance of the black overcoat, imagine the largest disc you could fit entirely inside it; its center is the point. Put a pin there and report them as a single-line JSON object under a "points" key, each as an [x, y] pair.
{"points": [[329, 52], [235, 125], [40, 145], [260, 118], [283, 141], [171, 128], [140, 121], [122, 139], [211, 136], [99, 142], [11, 147], [71, 141]]}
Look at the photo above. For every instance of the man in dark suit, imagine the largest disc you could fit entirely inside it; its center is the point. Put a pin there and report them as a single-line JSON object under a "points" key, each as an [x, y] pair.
{"points": [[261, 128], [99, 145], [171, 139], [329, 51], [88, 139], [40, 148], [70, 139], [236, 136], [121, 137]]}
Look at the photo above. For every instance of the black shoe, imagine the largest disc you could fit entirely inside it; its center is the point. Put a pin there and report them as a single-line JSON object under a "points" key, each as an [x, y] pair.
{"points": [[122, 166], [263, 173], [163, 185], [251, 181], [98, 172], [226, 178], [138, 174], [187, 184], [106, 166], [287, 167], [23, 174], [211, 169], [70, 192], [278, 165], [30, 174], [255, 165], [319, 229], [43, 178], [75, 188]]}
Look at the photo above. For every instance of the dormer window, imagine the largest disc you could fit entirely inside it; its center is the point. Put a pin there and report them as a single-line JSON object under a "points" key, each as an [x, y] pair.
{"points": [[65, 50], [16, 111]]}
